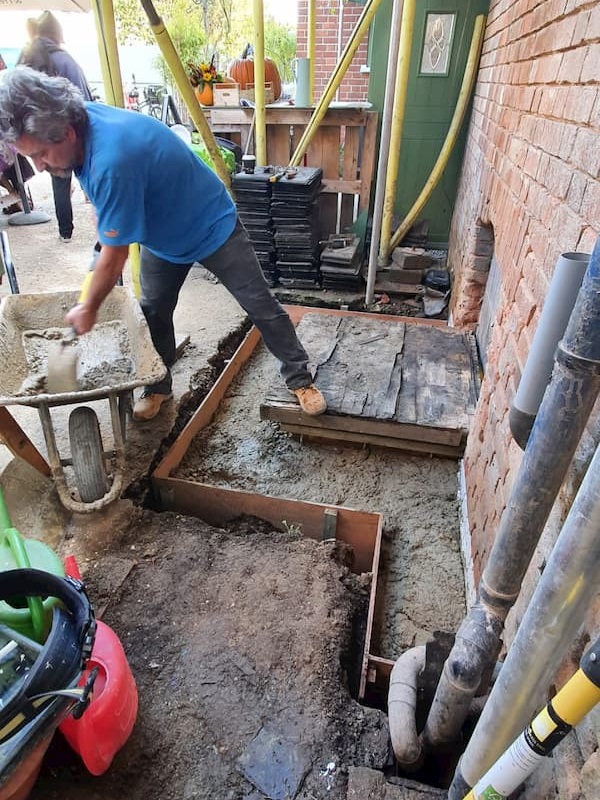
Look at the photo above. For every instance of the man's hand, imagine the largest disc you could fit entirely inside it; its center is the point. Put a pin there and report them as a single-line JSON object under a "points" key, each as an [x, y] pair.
{"points": [[97, 285], [82, 318]]}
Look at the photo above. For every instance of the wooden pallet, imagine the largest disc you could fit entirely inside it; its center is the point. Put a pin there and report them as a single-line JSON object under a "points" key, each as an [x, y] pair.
{"points": [[387, 381]]}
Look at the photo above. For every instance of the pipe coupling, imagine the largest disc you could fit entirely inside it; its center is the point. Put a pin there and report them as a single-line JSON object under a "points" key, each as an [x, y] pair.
{"points": [[574, 362]]}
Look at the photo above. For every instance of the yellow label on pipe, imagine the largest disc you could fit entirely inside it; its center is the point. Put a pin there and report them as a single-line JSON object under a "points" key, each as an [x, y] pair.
{"points": [[577, 697]]}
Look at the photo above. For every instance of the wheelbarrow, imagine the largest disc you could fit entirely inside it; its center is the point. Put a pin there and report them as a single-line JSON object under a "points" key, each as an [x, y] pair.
{"points": [[114, 358]]}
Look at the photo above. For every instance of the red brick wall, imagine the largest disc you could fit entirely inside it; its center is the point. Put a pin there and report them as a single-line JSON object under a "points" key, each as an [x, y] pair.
{"points": [[355, 84], [531, 172]]}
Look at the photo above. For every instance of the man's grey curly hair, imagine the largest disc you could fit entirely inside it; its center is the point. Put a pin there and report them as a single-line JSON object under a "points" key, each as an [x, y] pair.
{"points": [[39, 105]]}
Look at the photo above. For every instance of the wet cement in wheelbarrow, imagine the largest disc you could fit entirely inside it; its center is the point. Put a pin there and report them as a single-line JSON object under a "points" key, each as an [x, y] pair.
{"points": [[102, 358], [243, 643]]}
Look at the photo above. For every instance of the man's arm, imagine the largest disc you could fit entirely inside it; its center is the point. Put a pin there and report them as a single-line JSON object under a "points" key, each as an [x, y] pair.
{"points": [[109, 265]]}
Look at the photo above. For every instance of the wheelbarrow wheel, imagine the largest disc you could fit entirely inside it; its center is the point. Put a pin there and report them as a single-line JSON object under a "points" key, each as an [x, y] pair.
{"points": [[89, 466]]}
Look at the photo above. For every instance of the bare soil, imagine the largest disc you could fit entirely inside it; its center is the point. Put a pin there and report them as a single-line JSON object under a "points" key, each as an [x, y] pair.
{"points": [[244, 642], [231, 635]]}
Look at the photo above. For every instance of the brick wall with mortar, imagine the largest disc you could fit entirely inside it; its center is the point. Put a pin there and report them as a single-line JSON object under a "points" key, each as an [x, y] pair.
{"points": [[530, 189], [329, 35]]}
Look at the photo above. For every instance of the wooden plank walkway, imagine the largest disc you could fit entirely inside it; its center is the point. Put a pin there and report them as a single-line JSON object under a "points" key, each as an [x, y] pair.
{"points": [[393, 383]]}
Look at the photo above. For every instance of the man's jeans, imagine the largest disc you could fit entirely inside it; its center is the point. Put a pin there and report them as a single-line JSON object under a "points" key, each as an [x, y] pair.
{"points": [[236, 266]]}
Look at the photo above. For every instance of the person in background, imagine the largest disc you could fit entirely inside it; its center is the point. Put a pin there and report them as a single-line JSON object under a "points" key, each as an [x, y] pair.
{"points": [[45, 54], [148, 186]]}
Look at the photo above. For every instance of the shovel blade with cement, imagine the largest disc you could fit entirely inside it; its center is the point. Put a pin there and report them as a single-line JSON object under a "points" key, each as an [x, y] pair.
{"points": [[62, 355], [62, 365]]}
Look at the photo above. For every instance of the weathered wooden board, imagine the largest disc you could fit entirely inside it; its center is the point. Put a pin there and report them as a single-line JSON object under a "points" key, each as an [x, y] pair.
{"points": [[385, 380]]}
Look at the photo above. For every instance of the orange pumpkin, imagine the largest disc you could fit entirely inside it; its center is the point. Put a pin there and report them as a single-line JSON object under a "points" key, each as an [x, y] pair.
{"points": [[241, 70]]}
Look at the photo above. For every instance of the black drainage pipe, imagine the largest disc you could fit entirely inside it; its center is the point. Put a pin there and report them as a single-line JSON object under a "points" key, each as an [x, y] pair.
{"points": [[561, 419]]}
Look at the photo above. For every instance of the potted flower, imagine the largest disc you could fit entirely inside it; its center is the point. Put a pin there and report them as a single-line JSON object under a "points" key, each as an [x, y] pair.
{"points": [[202, 77]]}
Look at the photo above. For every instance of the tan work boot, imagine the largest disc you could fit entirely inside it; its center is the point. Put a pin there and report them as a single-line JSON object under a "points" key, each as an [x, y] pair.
{"points": [[311, 400], [148, 405]]}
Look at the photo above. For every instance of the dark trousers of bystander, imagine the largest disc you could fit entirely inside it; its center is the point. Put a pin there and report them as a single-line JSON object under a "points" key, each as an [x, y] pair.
{"points": [[61, 188]]}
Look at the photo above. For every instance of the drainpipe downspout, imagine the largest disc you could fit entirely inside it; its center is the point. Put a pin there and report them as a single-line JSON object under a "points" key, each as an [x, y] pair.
{"points": [[557, 609], [558, 305], [384, 149], [311, 46], [561, 419]]}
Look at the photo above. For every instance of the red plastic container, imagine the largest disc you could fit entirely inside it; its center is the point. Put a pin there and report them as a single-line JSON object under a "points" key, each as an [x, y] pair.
{"points": [[109, 719]]}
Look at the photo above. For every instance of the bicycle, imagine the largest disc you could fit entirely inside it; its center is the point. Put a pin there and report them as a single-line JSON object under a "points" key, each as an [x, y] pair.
{"points": [[152, 102]]}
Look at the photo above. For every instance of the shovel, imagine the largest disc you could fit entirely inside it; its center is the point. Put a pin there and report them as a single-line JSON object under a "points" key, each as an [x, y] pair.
{"points": [[62, 355]]}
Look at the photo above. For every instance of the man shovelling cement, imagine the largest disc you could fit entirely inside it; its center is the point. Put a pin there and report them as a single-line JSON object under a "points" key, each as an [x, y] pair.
{"points": [[147, 186]]}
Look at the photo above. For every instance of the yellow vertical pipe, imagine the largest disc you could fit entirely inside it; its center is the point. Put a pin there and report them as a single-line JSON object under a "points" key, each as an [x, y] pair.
{"points": [[259, 84], [112, 51], [458, 117], [102, 53], [311, 46], [104, 20], [360, 29], [407, 25]]}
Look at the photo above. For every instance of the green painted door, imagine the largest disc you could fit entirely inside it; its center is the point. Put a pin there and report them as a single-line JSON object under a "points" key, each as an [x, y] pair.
{"points": [[442, 37]]}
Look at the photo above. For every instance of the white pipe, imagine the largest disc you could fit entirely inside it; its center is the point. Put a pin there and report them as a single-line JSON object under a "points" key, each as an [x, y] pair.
{"points": [[402, 704], [384, 148], [558, 305]]}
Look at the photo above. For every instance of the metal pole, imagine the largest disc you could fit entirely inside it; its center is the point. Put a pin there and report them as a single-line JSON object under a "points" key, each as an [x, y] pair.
{"points": [[384, 149]]}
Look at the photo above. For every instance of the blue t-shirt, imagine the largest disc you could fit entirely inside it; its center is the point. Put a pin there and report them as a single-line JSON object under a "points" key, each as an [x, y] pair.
{"points": [[147, 186]]}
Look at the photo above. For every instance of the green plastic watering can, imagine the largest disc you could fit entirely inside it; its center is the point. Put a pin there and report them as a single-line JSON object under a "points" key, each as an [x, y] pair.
{"points": [[30, 616]]}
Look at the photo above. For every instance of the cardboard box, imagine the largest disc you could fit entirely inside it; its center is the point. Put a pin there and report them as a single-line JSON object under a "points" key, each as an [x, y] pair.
{"points": [[226, 94]]}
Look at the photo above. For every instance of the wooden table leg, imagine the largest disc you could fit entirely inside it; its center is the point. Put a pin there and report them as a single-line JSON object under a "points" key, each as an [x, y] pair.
{"points": [[19, 445]]}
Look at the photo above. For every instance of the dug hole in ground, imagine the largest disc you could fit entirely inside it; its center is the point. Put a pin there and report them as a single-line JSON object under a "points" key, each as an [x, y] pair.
{"points": [[244, 642]]}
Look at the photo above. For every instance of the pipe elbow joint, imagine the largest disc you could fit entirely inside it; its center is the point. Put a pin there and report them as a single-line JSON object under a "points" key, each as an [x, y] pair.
{"points": [[402, 702]]}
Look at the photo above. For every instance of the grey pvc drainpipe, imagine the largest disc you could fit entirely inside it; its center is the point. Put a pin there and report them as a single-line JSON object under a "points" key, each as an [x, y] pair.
{"points": [[557, 609], [560, 421], [402, 706], [558, 305]]}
